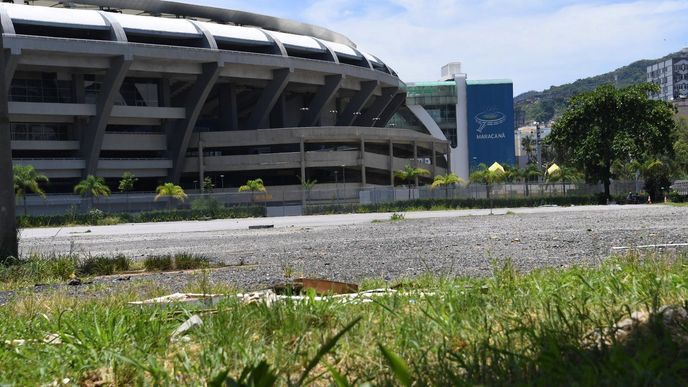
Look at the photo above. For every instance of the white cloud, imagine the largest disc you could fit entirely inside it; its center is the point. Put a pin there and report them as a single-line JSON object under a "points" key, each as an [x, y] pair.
{"points": [[537, 45]]}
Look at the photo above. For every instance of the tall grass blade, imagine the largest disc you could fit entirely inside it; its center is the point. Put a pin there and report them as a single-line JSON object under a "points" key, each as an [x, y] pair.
{"points": [[398, 366]]}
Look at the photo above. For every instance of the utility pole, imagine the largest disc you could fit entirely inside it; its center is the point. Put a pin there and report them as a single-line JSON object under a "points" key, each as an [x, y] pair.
{"points": [[8, 222]]}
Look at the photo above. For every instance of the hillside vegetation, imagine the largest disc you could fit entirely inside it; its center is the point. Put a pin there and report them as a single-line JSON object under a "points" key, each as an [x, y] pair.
{"points": [[545, 105]]}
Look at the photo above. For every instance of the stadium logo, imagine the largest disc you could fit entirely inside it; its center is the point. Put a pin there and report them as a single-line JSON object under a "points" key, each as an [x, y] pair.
{"points": [[489, 118]]}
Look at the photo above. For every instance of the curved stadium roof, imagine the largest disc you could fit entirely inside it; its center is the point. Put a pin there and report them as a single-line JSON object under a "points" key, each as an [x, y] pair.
{"points": [[174, 20]]}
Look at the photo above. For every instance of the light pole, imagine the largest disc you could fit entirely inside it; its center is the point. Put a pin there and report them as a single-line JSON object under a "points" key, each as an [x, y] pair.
{"points": [[195, 185], [222, 181], [538, 144], [334, 116]]}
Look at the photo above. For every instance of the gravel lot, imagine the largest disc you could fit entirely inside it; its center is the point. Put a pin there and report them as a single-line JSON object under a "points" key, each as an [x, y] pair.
{"points": [[357, 247]]}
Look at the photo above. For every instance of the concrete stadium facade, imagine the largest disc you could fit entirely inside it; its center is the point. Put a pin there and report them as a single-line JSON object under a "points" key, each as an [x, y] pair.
{"points": [[176, 92]]}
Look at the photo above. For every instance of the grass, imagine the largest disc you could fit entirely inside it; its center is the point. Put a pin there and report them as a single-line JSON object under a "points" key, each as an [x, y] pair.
{"points": [[179, 261], [511, 328], [397, 217], [47, 269]]}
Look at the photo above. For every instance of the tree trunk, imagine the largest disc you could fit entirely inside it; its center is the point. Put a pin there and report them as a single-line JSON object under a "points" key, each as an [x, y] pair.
{"points": [[487, 189], [8, 221], [24, 204], [607, 182], [563, 186]]}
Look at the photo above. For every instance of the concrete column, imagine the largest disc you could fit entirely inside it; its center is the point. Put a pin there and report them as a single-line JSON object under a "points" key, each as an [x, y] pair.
{"points": [[11, 59], [8, 223], [92, 139], [179, 135], [358, 102], [228, 107], [165, 94], [460, 157], [78, 90], [391, 163], [434, 160], [321, 100], [268, 99], [302, 151], [449, 160], [201, 162], [363, 164], [372, 115], [415, 159], [391, 108]]}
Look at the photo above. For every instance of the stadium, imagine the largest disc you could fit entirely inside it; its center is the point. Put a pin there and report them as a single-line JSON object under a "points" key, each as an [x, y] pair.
{"points": [[176, 92]]}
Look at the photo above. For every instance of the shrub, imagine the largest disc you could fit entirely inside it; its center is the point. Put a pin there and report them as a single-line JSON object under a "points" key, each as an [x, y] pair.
{"points": [[158, 263], [186, 261], [181, 261], [104, 265]]}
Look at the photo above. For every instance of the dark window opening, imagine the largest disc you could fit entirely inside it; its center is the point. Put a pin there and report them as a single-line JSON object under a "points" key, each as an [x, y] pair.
{"points": [[165, 41], [126, 154], [20, 131], [61, 32], [47, 89]]}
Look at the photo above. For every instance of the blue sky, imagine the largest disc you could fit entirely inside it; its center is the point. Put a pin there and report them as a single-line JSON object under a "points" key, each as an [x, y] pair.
{"points": [[536, 43]]}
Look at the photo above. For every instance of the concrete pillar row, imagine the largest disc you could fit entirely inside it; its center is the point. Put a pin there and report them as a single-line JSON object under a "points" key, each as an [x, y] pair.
{"points": [[268, 98], [179, 134], [358, 102], [321, 100], [92, 138], [391, 163]]}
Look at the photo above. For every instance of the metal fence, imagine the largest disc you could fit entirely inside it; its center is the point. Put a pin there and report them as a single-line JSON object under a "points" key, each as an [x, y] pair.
{"points": [[280, 201]]}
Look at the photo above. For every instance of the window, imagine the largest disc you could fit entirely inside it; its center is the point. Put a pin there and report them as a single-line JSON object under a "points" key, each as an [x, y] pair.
{"points": [[38, 132]]}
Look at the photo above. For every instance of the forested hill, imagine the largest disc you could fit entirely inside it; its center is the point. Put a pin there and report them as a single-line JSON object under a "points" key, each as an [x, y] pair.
{"points": [[545, 105]]}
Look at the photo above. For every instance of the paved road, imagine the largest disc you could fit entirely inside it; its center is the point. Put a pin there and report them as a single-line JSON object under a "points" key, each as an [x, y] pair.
{"points": [[293, 221], [353, 247]]}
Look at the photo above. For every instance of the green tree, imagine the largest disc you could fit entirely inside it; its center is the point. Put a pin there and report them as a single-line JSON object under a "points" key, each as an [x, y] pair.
{"points": [[657, 178], [446, 181], [170, 191], [207, 186], [528, 146], [253, 186], [27, 180], [92, 187], [307, 186], [564, 175], [529, 174], [127, 182], [483, 175], [611, 124], [680, 160], [409, 175]]}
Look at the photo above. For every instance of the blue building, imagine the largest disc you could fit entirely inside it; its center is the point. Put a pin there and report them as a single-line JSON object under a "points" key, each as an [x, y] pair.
{"points": [[475, 116]]}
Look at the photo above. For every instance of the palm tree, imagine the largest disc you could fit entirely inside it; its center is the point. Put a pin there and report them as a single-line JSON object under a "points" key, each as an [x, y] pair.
{"points": [[92, 187], [171, 191], [307, 186], [484, 175], [253, 186], [445, 181], [528, 145], [528, 174], [27, 179], [564, 175], [409, 174]]}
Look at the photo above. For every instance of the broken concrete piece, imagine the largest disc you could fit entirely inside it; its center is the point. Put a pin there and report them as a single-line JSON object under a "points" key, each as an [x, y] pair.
{"points": [[192, 322], [182, 298]]}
